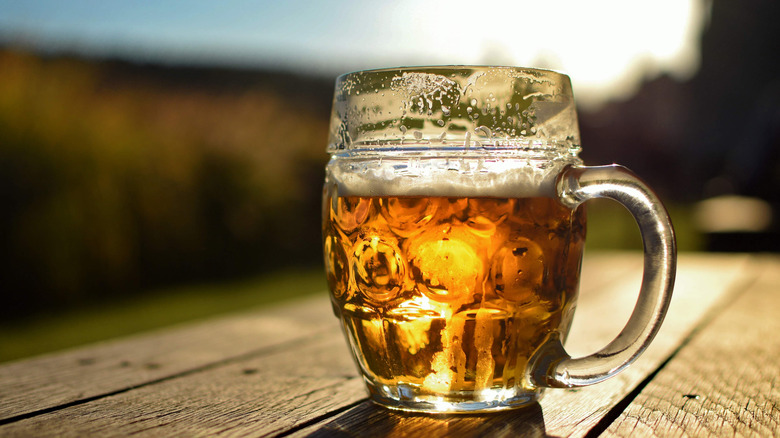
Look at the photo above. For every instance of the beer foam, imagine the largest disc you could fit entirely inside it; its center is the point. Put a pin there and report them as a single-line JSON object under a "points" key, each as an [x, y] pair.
{"points": [[449, 177]]}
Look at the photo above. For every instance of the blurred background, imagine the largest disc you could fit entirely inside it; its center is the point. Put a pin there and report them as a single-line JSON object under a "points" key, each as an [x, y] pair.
{"points": [[163, 161]]}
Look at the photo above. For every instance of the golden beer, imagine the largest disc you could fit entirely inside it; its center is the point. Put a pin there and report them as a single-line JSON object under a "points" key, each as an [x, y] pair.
{"points": [[442, 297]]}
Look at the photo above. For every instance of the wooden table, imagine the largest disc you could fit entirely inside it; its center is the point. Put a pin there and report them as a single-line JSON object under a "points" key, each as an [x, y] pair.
{"points": [[714, 369]]}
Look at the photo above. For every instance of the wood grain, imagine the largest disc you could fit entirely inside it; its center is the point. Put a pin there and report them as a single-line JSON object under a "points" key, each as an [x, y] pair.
{"points": [[726, 381], [260, 396], [53, 380]]}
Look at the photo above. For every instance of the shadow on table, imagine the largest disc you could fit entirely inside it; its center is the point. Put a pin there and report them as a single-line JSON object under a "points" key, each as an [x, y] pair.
{"points": [[368, 419]]}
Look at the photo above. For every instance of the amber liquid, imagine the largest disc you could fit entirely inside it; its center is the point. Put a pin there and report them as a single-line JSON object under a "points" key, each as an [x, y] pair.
{"points": [[450, 296]]}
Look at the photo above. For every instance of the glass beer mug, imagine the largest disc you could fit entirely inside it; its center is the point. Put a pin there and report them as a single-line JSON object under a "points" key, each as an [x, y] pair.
{"points": [[453, 236]]}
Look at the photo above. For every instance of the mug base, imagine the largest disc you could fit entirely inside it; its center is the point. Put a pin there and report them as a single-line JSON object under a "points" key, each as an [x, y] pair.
{"points": [[410, 399]]}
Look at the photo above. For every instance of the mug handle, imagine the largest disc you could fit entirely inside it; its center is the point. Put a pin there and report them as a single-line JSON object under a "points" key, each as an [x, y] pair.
{"points": [[551, 366]]}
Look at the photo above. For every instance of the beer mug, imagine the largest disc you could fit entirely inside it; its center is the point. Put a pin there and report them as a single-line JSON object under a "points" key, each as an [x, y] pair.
{"points": [[453, 236]]}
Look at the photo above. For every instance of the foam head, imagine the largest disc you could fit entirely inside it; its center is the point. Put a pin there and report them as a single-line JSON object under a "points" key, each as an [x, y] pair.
{"points": [[450, 176]]}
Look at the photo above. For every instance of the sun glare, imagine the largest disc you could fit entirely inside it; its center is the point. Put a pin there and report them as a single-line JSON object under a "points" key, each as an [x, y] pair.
{"points": [[605, 45]]}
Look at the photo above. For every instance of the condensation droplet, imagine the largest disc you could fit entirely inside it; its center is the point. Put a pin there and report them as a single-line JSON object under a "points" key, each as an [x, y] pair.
{"points": [[483, 131]]}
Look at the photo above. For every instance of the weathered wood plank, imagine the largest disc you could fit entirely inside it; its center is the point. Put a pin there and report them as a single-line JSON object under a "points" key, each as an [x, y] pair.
{"points": [[42, 383], [726, 381], [702, 280], [258, 396]]}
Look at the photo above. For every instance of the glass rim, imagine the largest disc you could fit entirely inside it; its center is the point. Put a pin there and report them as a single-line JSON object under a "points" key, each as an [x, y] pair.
{"points": [[475, 67]]}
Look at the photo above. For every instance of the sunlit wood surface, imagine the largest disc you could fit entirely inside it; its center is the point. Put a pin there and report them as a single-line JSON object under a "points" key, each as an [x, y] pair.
{"points": [[714, 369]]}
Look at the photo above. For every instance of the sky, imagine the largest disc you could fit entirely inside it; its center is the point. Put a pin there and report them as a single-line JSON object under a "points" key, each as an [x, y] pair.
{"points": [[606, 46]]}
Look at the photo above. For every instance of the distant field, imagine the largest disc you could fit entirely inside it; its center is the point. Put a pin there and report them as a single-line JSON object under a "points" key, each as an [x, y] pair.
{"points": [[151, 310], [610, 226]]}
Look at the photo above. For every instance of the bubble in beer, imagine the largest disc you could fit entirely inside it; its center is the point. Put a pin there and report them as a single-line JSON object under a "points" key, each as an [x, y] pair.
{"points": [[407, 216], [378, 269], [518, 270], [336, 267]]}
